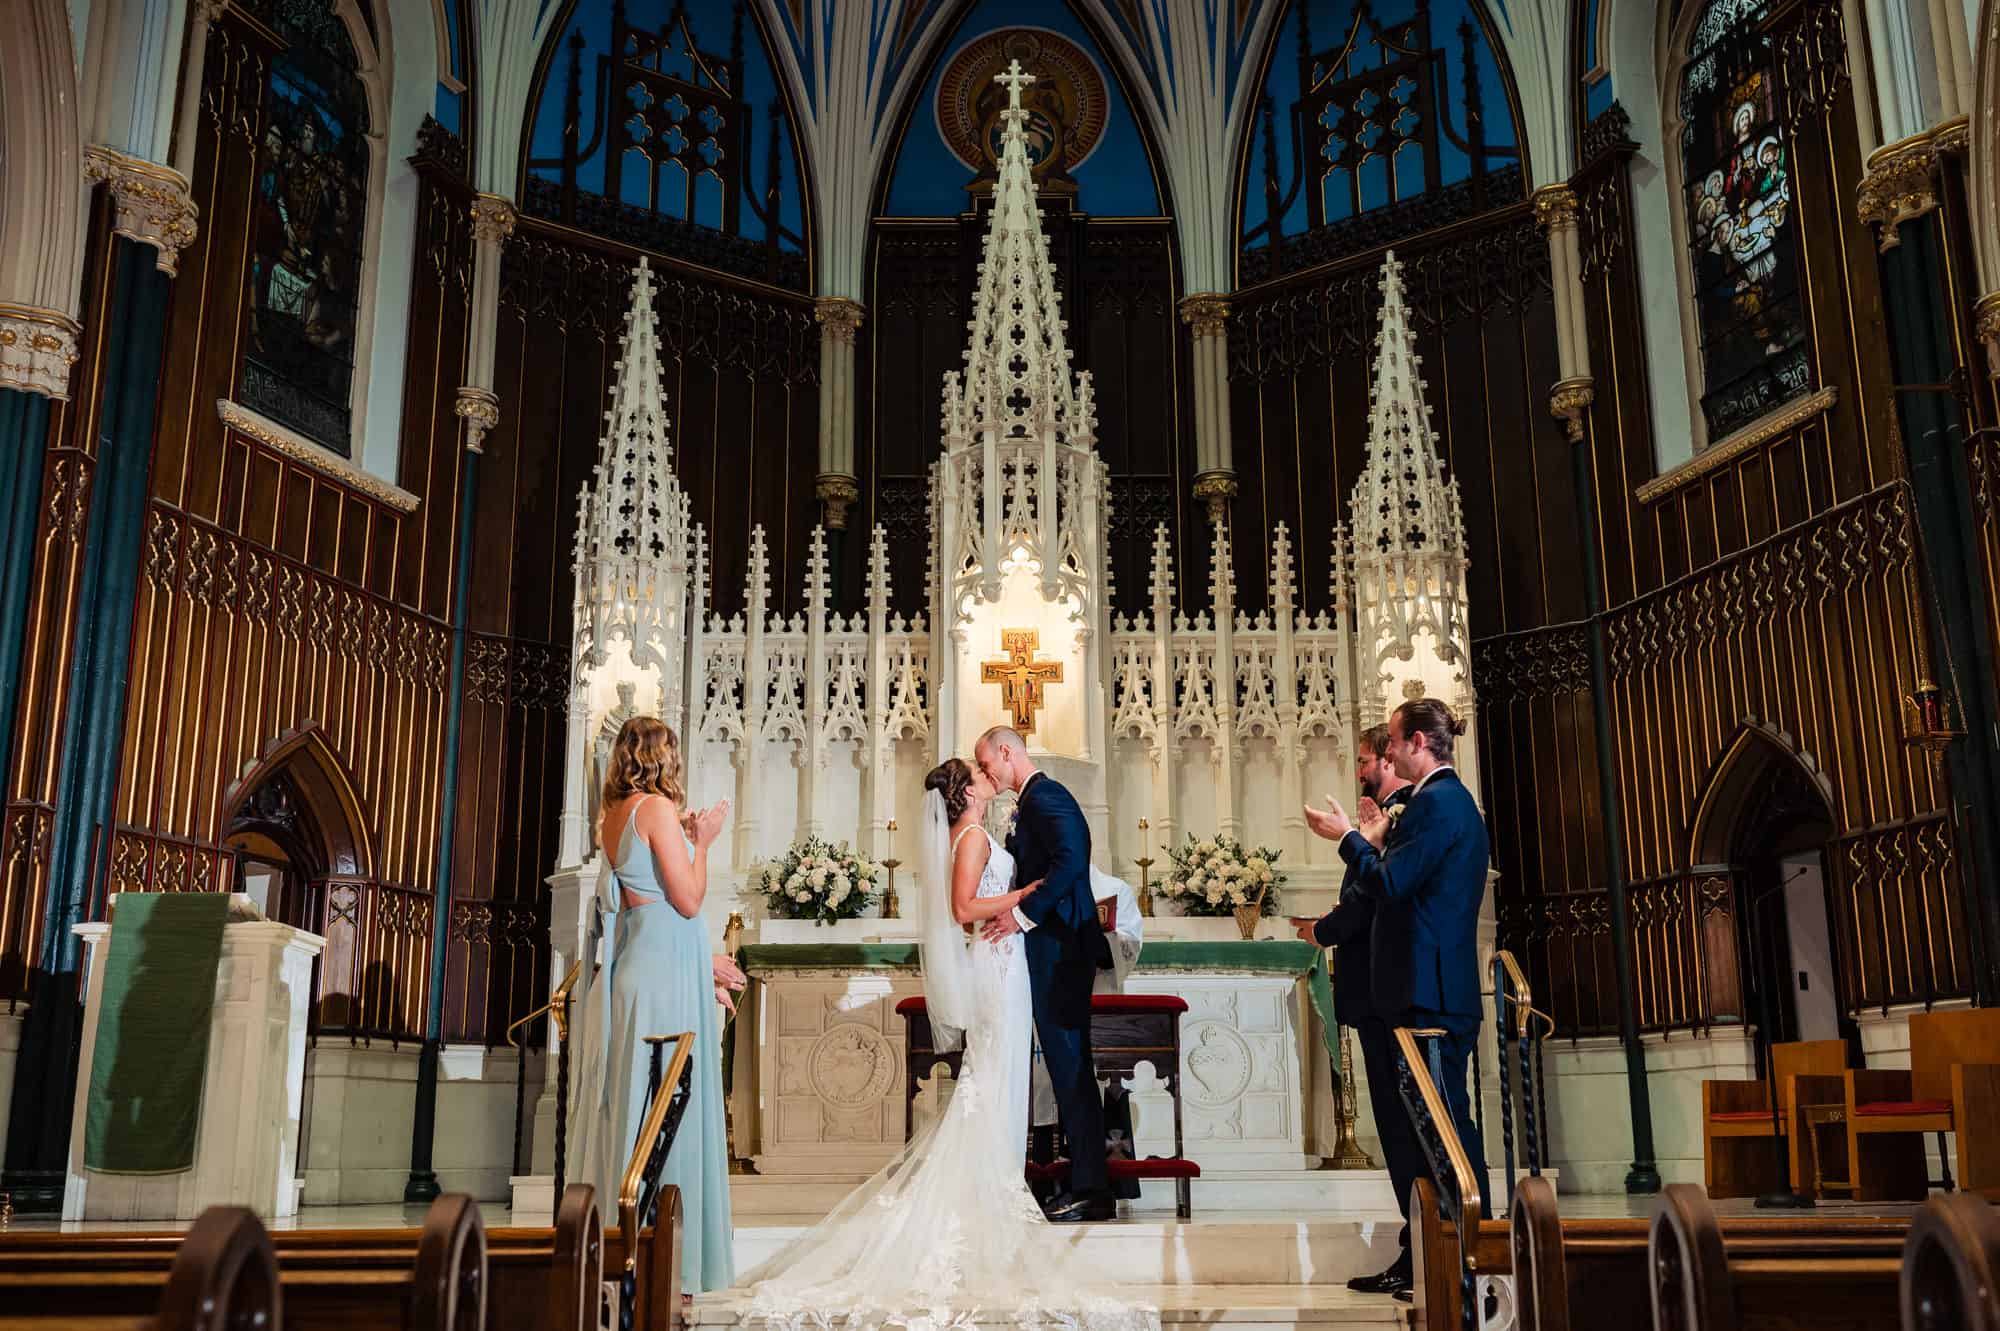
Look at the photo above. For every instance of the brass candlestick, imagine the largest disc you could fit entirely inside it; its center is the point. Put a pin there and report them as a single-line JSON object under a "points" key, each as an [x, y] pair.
{"points": [[1145, 862], [1347, 1152], [891, 863]]}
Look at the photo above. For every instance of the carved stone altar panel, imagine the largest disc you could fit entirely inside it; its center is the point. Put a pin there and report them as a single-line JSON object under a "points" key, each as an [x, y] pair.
{"points": [[830, 1071]]}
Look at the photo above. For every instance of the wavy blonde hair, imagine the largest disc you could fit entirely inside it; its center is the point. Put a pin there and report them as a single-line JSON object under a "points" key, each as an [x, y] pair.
{"points": [[645, 760]]}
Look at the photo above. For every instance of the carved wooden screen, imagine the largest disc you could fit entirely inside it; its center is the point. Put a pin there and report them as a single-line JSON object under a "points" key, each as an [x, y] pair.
{"points": [[677, 142], [1370, 124]]}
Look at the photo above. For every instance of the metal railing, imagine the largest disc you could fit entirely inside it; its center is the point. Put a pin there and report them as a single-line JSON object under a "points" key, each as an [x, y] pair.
{"points": [[1516, 1019], [558, 1009], [1461, 1193], [667, 1097]]}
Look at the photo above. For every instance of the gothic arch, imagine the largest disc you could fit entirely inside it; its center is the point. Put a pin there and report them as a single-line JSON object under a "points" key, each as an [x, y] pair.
{"points": [[1758, 758], [304, 761], [1985, 191]]}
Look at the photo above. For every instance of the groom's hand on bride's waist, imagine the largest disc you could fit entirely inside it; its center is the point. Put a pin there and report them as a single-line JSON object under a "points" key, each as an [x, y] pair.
{"points": [[1000, 926]]}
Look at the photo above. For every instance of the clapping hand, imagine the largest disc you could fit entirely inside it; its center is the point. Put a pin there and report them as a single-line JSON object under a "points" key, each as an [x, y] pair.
{"points": [[1374, 822], [1331, 823], [708, 823]]}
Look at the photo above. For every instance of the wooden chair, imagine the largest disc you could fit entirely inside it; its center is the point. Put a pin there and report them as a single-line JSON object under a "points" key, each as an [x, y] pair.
{"points": [[1736, 1120], [1953, 1086]]}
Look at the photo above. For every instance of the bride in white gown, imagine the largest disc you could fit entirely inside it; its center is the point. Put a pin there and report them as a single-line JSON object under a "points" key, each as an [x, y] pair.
{"points": [[947, 1234]]}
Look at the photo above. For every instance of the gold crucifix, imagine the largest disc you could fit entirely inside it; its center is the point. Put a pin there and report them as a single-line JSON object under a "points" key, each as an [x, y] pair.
{"points": [[1020, 677]]}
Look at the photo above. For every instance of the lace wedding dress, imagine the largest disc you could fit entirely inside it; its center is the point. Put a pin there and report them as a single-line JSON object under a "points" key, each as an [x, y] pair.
{"points": [[947, 1234]]}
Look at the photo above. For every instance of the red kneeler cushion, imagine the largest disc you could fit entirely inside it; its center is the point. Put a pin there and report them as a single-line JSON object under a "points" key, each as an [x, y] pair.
{"points": [[1901, 1108], [1108, 1003]]}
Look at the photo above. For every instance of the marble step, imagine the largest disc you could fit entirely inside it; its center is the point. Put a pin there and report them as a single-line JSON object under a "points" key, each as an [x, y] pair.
{"points": [[1222, 1248], [1242, 1307]]}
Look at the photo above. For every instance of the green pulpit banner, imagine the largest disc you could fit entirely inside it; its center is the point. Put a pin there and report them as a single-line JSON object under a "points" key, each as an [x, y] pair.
{"points": [[151, 1056]]}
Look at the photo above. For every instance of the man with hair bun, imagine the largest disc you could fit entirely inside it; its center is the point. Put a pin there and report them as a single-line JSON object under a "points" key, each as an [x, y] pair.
{"points": [[1426, 876]]}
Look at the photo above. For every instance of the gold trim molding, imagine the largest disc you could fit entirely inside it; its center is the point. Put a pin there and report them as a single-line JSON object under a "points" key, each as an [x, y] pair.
{"points": [[309, 454], [1205, 313], [1718, 455], [479, 408], [840, 317], [1986, 327], [154, 206], [493, 219], [37, 347], [1555, 208], [1215, 489], [1900, 182]]}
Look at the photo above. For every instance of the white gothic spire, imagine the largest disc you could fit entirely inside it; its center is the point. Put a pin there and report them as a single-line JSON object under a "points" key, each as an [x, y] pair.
{"points": [[634, 537], [1402, 502]]}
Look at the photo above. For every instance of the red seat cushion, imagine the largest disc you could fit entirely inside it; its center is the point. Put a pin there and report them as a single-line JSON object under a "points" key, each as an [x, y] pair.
{"points": [[1901, 1108], [1138, 1003], [1152, 1167], [1112, 1003], [1741, 1116]]}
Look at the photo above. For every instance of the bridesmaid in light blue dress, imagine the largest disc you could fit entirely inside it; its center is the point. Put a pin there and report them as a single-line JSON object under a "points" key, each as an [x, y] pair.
{"points": [[658, 978]]}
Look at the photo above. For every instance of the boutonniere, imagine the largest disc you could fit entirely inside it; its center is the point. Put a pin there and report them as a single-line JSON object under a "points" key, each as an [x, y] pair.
{"points": [[1395, 811]]}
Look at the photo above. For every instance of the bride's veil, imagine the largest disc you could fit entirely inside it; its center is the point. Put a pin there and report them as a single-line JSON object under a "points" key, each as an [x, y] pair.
{"points": [[948, 995]]}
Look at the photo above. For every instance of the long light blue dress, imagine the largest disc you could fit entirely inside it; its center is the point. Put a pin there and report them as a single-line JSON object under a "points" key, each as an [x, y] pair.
{"points": [[656, 980]]}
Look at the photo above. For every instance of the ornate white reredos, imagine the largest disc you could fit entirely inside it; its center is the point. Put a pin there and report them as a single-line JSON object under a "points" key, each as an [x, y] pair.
{"points": [[1408, 556], [638, 554], [1020, 476]]}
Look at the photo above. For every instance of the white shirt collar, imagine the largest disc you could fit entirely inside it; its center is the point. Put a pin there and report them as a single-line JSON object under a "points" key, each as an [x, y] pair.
{"points": [[1418, 788]]}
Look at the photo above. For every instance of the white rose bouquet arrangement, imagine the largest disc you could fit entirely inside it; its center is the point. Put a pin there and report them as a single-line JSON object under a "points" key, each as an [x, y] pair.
{"points": [[1219, 875], [818, 880]]}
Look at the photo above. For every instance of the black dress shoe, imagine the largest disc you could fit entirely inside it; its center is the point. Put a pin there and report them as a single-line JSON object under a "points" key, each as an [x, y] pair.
{"points": [[1082, 1209], [1404, 1296], [1395, 1280]]}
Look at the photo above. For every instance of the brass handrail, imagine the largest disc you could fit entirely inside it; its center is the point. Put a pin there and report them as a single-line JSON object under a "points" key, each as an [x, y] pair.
{"points": [[553, 1006], [649, 1133], [1521, 996], [1471, 1207]]}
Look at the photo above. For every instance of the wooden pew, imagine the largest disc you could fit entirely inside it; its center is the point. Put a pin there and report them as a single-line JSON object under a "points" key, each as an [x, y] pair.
{"points": [[1805, 1273], [1951, 1267], [225, 1275], [330, 1278], [1434, 1257]]}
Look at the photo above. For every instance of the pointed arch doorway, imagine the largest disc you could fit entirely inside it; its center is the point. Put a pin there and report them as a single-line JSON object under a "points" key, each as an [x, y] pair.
{"points": [[1767, 820]]}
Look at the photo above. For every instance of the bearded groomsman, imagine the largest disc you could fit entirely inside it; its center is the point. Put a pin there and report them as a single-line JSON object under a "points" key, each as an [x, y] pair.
{"points": [[1426, 876], [1346, 929]]}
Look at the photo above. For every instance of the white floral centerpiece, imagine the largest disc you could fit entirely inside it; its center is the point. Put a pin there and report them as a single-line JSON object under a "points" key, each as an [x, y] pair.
{"points": [[1220, 876], [820, 881]]}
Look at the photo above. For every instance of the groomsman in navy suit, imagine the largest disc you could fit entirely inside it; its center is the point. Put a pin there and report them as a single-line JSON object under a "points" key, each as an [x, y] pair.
{"points": [[1346, 929], [1425, 873]]}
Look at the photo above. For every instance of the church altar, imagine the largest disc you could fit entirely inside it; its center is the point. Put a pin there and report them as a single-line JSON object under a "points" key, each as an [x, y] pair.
{"points": [[818, 1055]]}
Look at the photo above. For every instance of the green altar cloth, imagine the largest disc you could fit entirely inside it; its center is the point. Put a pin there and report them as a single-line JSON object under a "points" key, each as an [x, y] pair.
{"points": [[1269, 956], [151, 1055]]}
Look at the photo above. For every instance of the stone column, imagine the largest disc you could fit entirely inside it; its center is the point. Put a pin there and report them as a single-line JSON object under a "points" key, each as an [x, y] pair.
{"points": [[1573, 392], [1206, 314], [840, 321], [478, 406]]}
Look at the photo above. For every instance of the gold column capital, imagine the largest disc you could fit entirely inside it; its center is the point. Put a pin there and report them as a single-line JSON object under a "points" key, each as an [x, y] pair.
{"points": [[1206, 312], [1216, 489], [37, 347], [1986, 327], [479, 408], [1570, 400], [1899, 183], [1555, 208], [837, 493], [154, 205], [493, 219], [840, 317]]}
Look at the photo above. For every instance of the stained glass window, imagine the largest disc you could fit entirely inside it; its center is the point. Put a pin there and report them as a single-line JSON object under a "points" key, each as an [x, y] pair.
{"points": [[306, 240], [1741, 232]]}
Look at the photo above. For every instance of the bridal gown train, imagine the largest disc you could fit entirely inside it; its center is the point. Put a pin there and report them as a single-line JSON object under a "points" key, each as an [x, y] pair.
{"points": [[947, 1233]]}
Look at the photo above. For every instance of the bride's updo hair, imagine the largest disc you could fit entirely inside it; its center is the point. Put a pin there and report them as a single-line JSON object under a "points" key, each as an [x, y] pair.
{"points": [[952, 779]]}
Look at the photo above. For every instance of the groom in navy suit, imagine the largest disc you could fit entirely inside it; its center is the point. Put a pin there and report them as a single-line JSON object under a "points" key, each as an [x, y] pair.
{"points": [[1426, 877], [1051, 842]]}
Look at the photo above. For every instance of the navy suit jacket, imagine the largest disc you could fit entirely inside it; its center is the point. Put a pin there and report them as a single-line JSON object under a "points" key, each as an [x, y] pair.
{"points": [[1051, 841], [1426, 882], [1345, 929]]}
